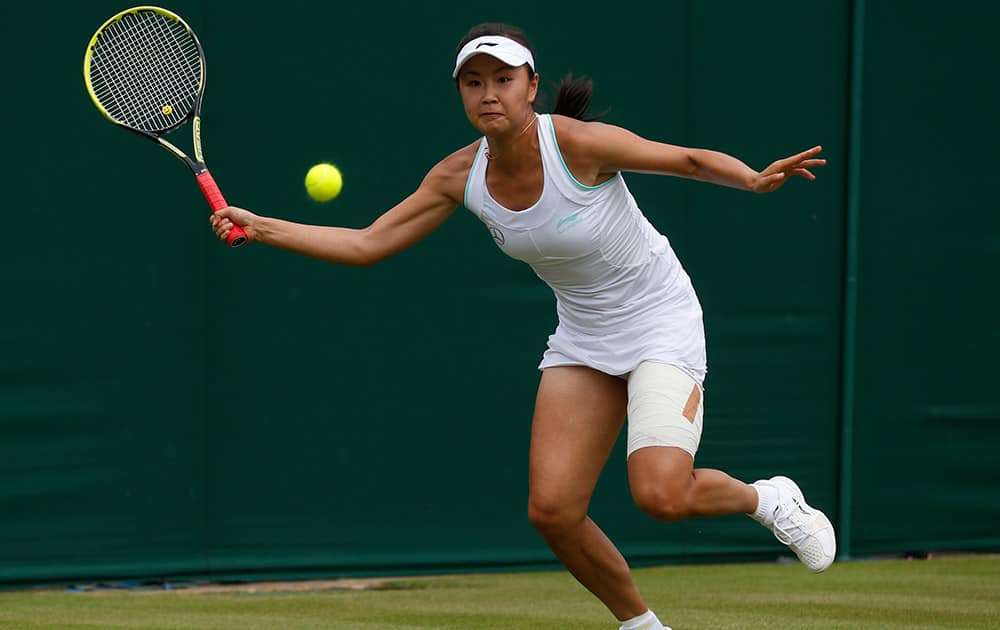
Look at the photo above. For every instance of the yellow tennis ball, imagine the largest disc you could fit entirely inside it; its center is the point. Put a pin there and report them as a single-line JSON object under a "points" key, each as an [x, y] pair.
{"points": [[323, 182]]}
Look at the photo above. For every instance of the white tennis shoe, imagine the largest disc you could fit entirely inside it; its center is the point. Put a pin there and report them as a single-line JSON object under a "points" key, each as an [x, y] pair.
{"points": [[806, 530]]}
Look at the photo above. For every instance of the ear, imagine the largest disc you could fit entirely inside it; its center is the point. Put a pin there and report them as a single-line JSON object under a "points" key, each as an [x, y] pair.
{"points": [[533, 89]]}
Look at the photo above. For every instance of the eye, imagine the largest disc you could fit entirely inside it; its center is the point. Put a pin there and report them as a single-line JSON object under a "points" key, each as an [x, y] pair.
{"points": [[505, 79], [472, 83]]}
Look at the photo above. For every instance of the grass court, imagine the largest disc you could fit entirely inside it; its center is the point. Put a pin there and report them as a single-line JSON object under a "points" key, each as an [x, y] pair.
{"points": [[943, 592]]}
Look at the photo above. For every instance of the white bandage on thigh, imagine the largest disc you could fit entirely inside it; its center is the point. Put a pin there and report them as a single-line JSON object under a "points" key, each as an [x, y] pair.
{"points": [[665, 408]]}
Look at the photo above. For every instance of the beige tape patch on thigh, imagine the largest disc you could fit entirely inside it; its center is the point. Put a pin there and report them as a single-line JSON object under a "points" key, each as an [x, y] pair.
{"points": [[693, 404], [665, 408]]}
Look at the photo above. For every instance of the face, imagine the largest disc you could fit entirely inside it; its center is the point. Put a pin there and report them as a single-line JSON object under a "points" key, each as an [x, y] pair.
{"points": [[496, 97]]}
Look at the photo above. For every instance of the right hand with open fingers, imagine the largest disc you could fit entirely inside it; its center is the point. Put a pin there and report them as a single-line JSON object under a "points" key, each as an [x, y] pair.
{"points": [[223, 221]]}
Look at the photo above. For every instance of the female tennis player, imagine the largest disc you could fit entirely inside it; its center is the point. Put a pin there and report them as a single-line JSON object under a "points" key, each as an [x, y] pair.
{"points": [[629, 341]]}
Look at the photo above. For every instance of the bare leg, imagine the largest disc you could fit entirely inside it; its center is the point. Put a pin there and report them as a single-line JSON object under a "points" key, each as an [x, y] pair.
{"points": [[578, 415], [665, 486]]}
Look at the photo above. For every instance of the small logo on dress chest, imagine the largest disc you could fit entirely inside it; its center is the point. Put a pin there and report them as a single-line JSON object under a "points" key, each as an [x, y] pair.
{"points": [[567, 222], [495, 233]]}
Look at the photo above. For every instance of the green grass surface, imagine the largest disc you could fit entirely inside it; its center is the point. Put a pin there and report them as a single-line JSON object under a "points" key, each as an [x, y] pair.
{"points": [[948, 592]]}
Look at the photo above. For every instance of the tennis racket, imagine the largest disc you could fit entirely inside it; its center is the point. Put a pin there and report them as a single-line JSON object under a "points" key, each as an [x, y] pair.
{"points": [[145, 70]]}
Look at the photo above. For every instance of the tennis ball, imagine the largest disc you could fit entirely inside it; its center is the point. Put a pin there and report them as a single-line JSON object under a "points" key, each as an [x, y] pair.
{"points": [[323, 182]]}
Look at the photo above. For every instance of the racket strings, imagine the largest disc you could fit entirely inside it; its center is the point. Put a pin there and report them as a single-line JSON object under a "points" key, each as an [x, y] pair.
{"points": [[146, 70]]}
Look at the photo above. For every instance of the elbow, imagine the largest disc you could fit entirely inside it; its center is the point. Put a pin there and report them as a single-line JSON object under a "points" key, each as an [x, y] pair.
{"points": [[363, 257], [368, 261], [366, 250], [692, 167]]}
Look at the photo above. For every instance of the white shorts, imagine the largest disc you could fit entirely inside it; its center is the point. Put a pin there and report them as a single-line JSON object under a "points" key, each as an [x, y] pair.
{"points": [[665, 408]]}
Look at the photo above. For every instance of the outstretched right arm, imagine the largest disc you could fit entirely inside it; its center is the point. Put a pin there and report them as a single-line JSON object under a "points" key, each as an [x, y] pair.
{"points": [[398, 228]]}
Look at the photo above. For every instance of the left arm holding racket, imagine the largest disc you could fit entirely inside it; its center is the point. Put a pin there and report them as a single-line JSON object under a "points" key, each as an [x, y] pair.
{"points": [[145, 71]]}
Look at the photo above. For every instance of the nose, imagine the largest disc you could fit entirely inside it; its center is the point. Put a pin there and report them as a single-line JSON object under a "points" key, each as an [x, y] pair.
{"points": [[489, 96]]}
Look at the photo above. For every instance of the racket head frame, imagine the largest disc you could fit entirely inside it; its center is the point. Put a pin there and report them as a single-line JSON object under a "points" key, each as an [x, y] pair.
{"points": [[197, 164]]}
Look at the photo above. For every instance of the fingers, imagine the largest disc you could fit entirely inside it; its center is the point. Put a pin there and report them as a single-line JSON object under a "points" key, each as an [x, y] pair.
{"points": [[808, 153], [811, 163], [805, 155], [221, 225], [804, 159], [217, 219], [790, 164]]}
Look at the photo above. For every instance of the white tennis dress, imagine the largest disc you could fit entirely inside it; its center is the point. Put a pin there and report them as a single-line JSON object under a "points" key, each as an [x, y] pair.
{"points": [[621, 294]]}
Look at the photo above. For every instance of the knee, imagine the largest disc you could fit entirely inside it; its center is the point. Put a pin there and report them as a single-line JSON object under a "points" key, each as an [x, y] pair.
{"points": [[661, 503], [553, 518]]}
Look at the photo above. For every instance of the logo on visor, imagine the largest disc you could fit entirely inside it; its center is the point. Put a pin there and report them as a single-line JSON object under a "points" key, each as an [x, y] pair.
{"points": [[486, 44]]}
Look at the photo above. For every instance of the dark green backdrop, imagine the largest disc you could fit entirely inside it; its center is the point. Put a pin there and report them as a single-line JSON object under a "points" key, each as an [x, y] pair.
{"points": [[170, 407]]}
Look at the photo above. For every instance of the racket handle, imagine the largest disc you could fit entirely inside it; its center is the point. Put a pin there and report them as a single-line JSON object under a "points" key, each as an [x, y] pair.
{"points": [[215, 199]]}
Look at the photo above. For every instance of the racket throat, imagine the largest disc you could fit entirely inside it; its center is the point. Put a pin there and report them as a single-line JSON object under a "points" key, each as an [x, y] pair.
{"points": [[196, 123], [196, 167]]}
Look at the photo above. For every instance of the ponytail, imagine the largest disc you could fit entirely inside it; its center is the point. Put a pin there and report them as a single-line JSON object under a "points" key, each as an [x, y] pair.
{"points": [[573, 99]]}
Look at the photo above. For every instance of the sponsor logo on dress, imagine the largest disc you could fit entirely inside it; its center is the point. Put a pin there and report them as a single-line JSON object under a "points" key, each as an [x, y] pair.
{"points": [[495, 233], [567, 222]]}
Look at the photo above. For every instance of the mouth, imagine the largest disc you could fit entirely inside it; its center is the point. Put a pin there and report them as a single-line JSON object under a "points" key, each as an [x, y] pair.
{"points": [[490, 115]]}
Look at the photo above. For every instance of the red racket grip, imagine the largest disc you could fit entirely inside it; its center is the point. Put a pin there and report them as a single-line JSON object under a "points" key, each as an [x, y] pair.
{"points": [[211, 191]]}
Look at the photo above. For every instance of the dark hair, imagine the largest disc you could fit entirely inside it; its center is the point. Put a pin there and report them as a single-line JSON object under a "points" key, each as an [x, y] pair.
{"points": [[573, 96]]}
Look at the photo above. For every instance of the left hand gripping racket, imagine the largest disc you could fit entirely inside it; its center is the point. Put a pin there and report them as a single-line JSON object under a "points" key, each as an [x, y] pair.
{"points": [[145, 70]]}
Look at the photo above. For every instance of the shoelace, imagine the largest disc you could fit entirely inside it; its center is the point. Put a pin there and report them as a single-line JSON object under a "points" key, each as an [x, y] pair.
{"points": [[797, 516]]}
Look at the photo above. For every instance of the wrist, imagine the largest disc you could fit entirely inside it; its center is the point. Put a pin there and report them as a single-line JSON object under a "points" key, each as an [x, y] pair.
{"points": [[264, 230]]}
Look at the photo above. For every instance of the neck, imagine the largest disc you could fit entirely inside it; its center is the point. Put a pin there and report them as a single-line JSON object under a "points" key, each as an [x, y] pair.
{"points": [[500, 147]]}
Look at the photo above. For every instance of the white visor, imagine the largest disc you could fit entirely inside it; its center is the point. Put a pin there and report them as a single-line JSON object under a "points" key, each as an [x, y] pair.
{"points": [[503, 48]]}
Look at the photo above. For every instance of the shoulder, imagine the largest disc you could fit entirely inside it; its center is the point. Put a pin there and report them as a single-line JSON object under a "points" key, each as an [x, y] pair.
{"points": [[593, 151], [459, 161], [449, 176], [577, 138]]}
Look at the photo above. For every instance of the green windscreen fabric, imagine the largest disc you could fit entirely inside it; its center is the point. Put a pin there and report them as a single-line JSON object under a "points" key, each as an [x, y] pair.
{"points": [[928, 386]]}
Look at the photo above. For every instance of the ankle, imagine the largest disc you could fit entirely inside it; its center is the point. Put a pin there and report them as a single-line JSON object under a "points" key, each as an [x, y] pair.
{"points": [[767, 502], [645, 621]]}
